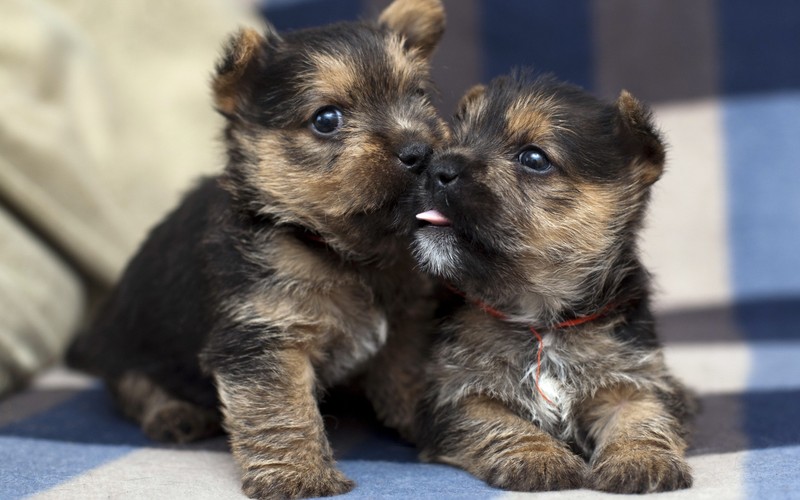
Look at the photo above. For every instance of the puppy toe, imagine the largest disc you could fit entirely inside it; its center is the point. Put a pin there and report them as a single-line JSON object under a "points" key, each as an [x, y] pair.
{"points": [[300, 482], [546, 469], [634, 468], [180, 422]]}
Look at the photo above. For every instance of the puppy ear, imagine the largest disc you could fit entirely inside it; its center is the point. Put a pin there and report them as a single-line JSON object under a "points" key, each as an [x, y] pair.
{"points": [[641, 136], [243, 51], [469, 98], [421, 22]]}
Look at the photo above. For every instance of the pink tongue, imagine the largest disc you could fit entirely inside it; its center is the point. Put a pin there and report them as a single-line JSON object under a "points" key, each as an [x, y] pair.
{"points": [[434, 217]]}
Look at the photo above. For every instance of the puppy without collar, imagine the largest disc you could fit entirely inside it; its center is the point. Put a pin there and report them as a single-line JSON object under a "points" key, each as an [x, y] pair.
{"points": [[290, 271]]}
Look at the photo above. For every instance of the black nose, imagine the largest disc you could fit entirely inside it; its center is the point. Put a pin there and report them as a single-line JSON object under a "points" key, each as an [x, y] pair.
{"points": [[444, 171], [415, 156]]}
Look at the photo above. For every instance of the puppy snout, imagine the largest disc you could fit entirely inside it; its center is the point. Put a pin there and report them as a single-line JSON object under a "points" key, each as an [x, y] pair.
{"points": [[446, 172], [415, 156]]}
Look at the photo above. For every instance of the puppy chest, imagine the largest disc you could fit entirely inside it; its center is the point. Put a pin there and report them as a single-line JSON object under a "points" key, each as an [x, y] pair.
{"points": [[554, 382], [338, 327], [556, 385], [351, 333], [549, 397]]}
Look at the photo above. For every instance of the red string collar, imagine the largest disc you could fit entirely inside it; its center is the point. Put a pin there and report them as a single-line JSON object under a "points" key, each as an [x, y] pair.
{"points": [[491, 311], [309, 236]]}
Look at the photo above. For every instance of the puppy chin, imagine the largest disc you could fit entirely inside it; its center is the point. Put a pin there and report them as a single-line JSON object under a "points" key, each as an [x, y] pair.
{"points": [[436, 249]]}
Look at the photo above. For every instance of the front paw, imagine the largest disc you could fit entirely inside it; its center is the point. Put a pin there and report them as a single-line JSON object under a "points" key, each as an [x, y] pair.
{"points": [[297, 481], [543, 467], [631, 467]]}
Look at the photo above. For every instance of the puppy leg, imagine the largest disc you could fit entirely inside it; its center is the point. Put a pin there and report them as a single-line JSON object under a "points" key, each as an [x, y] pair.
{"points": [[488, 440], [276, 431], [395, 378], [638, 443], [162, 416]]}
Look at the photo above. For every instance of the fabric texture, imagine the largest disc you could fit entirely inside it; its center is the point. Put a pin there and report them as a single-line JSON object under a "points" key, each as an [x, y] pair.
{"points": [[104, 120], [721, 238]]}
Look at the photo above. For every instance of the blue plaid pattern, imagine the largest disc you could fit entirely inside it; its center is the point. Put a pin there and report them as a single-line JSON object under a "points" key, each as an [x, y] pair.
{"points": [[730, 292]]}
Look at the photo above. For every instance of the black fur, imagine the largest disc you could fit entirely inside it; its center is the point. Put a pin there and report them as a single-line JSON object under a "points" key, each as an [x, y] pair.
{"points": [[290, 271], [158, 319], [520, 399]]}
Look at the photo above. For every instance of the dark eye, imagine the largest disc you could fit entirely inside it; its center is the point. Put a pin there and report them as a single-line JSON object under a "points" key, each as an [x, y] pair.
{"points": [[535, 160], [327, 120], [421, 92]]}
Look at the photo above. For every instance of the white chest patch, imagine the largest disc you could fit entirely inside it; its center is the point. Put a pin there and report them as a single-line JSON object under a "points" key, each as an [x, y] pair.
{"points": [[548, 387], [549, 395]]}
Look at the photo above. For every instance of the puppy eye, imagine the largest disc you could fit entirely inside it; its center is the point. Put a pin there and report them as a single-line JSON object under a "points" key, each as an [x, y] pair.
{"points": [[535, 160], [327, 120], [421, 92]]}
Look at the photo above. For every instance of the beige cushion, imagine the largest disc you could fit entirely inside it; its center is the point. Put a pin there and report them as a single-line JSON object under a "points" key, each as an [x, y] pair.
{"points": [[41, 300], [105, 118]]}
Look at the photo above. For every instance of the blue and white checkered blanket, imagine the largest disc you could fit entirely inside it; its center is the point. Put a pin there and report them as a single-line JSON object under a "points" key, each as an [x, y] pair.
{"points": [[723, 240], [62, 439]]}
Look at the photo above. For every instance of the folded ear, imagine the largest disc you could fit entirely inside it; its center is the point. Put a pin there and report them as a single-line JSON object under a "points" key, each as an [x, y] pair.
{"points": [[244, 50], [421, 22], [469, 99], [642, 138]]}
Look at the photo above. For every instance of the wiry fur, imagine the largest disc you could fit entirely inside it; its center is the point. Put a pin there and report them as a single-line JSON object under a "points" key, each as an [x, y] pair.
{"points": [[543, 248], [290, 271]]}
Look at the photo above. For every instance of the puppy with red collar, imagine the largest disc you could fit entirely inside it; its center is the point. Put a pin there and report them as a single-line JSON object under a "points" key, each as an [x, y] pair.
{"points": [[550, 374]]}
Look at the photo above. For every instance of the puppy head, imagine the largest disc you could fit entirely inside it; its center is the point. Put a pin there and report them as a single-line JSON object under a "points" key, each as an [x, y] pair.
{"points": [[329, 127], [540, 194]]}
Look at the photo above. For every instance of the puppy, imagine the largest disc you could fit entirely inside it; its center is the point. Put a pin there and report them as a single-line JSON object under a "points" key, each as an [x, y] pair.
{"points": [[532, 214], [285, 274]]}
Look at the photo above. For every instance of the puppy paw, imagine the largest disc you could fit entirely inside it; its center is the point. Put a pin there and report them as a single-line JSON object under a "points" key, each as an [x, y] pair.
{"points": [[540, 468], [300, 482], [180, 422], [631, 467]]}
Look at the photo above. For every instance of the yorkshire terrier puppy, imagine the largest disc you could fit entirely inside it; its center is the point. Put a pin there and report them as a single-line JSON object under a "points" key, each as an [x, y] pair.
{"points": [[289, 271], [532, 214]]}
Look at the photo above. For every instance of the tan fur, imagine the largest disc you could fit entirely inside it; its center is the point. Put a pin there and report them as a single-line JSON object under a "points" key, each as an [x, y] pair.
{"points": [[421, 21], [638, 449], [589, 231], [322, 308], [406, 64], [334, 75], [288, 272], [332, 329], [635, 118], [471, 97], [313, 198], [329, 316], [520, 399], [163, 417], [529, 118], [612, 411], [545, 233], [506, 451], [394, 379], [247, 42], [287, 453], [295, 263]]}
